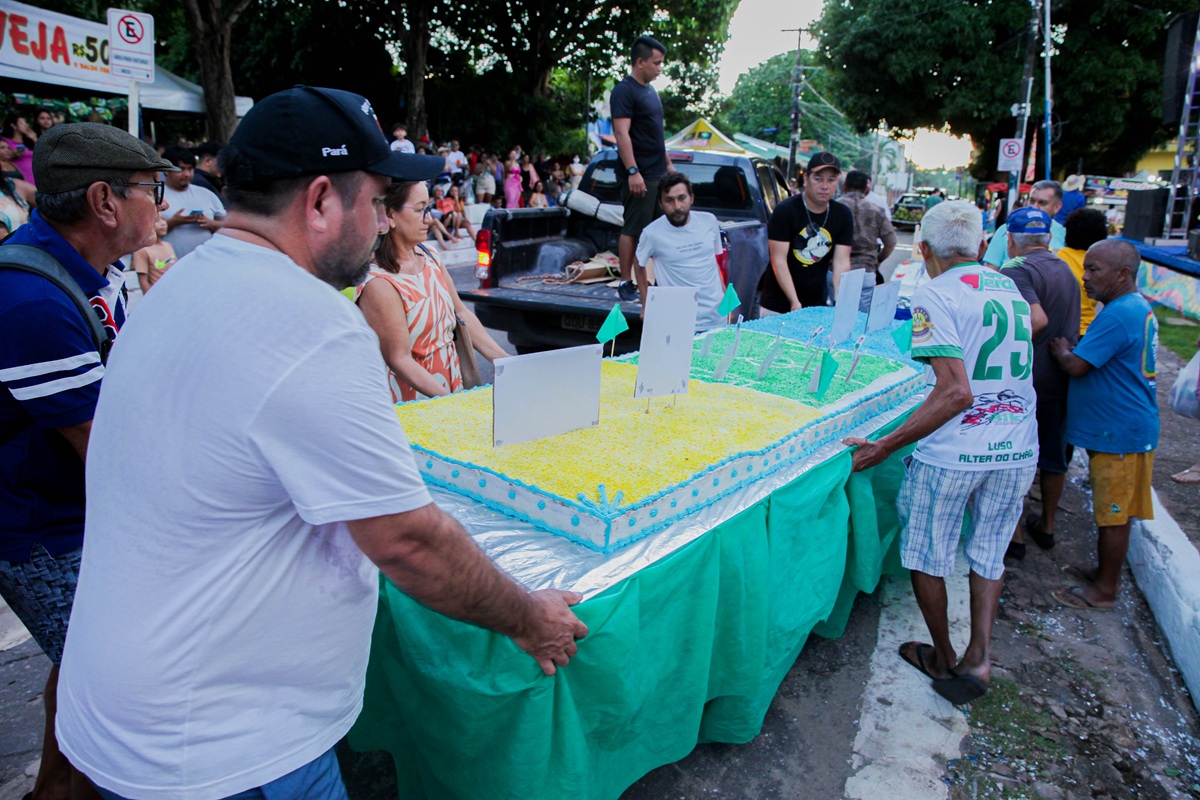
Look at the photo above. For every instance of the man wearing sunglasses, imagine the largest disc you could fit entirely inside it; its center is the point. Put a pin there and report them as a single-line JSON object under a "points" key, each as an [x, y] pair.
{"points": [[97, 198]]}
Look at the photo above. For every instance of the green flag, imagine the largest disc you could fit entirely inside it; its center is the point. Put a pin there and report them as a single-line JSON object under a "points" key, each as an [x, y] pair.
{"points": [[729, 302], [614, 323], [902, 336], [829, 368]]}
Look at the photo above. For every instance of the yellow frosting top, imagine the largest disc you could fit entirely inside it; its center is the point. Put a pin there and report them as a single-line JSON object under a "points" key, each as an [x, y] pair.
{"points": [[630, 451]]}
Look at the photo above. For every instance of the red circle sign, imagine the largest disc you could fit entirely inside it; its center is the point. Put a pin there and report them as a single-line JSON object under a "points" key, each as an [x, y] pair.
{"points": [[1012, 149], [130, 29]]}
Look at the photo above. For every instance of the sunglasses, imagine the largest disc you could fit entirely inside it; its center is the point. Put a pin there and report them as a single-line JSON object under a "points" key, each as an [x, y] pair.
{"points": [[160, 188]]}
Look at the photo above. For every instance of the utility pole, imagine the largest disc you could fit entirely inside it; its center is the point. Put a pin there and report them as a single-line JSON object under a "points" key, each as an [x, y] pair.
{"points": [[1021, 109], [797, 88], [1047, 124]]}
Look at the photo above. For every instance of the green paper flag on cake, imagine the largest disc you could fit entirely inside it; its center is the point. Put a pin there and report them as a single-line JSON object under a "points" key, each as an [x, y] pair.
{"points": [[729, 302], [613, 325], [902, 336], [829, 368]]}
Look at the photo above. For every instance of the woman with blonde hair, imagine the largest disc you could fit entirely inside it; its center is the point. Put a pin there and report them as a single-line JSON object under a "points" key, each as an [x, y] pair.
{"points": [[411, 303]]}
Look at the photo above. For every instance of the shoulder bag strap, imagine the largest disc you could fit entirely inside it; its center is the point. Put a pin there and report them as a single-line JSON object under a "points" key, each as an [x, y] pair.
{"points": [[25, 258]]}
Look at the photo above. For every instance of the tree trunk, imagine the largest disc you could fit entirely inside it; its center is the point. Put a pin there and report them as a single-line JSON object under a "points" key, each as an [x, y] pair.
{"points": [[211, 28], [416, 49]]}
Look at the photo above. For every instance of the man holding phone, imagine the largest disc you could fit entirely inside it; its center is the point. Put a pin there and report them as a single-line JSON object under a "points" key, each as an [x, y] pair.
{"points": [[193, 213]]}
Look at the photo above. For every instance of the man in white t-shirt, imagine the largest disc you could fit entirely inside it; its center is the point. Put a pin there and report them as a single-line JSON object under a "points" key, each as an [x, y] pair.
{"points": [[457, 159], [221, 629], [976, 436], [684, 245], [193, 213]]}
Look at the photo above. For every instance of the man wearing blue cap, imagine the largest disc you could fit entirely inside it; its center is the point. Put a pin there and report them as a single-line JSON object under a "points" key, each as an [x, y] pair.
{"points": [[219, 639], [1050, 288], [1046, 195]]}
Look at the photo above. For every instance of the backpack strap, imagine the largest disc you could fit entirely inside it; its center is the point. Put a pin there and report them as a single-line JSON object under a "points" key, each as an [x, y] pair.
{"points": [[25, 258]]}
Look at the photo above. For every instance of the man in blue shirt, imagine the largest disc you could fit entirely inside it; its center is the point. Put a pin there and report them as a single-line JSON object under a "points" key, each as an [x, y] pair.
{"points": [[1046, 195], [1112, 410], [98, 196]]}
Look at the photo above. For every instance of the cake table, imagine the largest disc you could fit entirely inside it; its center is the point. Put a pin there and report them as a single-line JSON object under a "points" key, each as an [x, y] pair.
{"points": [[692, 631]]}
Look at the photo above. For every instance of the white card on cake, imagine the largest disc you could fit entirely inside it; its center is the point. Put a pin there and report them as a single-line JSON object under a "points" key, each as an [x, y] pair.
{"points": [[845, 312], [545, 394], [665, 360], [883, 306]]}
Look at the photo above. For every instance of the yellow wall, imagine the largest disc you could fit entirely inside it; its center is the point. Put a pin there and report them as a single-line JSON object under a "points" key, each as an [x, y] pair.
{"points": [[1158, 160]]}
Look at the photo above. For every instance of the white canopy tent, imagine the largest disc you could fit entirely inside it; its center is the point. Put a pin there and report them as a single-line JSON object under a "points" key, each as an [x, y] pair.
{"points": [[169, 92]]}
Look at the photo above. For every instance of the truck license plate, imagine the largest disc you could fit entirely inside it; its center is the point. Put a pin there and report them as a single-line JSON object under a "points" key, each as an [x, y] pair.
{"points": [[579, 322]]}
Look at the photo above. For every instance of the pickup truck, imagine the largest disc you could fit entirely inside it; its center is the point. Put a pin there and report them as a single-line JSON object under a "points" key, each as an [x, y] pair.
{"points": [[518, 247]]}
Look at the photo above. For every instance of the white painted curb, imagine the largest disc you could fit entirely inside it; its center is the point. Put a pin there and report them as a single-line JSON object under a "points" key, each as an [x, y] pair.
{"points": [[1166, 567], [907, 732]]}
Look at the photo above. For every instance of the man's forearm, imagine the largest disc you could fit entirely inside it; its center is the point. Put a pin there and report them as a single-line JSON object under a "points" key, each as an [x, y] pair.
{"points": [[783, 277], [625, 149], [942, 405], [438, 565]]}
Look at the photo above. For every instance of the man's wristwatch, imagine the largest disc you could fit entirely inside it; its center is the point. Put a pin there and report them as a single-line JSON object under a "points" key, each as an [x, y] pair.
{"points": [[632, 170]]}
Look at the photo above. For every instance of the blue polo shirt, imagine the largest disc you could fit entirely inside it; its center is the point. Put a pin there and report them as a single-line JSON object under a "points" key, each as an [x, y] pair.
{"points": [[50, 375], [1114, 407]]}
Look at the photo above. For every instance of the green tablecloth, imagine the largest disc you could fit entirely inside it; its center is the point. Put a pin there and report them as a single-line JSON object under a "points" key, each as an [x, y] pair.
{"points": [[690, 649]]}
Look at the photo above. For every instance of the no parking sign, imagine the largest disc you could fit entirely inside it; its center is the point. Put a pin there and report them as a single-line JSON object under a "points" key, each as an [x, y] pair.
{"points": [[131, 45], [1012, 153]]}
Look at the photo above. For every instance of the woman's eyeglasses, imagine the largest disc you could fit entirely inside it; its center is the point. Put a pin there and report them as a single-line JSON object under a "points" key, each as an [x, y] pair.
{"points": [[424, 211]]}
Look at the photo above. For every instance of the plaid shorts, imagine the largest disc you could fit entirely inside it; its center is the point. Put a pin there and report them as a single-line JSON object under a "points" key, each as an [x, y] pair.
{"points": [[931, 505], [40, 592]]}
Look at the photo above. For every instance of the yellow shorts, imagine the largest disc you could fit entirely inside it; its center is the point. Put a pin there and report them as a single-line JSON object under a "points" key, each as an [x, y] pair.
{"points": [[1121, 486]]}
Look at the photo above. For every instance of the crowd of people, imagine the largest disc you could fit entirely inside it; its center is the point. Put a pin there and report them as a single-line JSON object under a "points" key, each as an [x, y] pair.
{"points": [[220, 623], [518, 179]]}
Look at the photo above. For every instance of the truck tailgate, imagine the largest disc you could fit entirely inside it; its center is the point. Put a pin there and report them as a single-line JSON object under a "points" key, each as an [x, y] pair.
{"points": [[570, 298]]}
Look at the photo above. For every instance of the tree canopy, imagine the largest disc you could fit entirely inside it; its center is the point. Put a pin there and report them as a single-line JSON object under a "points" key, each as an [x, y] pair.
{"points": [[933, 63], [761, 106], [511, 71]]}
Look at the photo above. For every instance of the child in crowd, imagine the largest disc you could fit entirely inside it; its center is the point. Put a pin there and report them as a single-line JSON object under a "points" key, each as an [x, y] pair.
{"points": [[152, 261]]}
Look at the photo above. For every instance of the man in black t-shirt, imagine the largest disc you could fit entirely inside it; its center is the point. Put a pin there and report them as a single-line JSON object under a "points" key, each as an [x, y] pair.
{"points": [[637, 116], [807, 234]]}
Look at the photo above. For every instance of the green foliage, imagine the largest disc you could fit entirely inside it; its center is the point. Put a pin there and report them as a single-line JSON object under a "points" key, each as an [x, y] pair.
{"points": [[762, 99], [928, 63], [499, 72]]}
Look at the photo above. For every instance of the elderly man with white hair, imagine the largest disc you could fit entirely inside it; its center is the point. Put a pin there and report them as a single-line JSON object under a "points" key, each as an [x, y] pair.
{"points": [[976, 436]]}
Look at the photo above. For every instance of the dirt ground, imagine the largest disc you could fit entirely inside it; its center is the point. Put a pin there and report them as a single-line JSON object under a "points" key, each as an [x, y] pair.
{"points": [[1087, 704], [1178, 449]]}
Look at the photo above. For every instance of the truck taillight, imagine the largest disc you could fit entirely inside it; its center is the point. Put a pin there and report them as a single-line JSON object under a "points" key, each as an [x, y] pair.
{"points": [[723, 265], [483, 266]]}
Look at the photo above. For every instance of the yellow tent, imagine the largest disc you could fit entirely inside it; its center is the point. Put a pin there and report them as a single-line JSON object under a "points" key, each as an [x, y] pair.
{"points": [[701, 135]]}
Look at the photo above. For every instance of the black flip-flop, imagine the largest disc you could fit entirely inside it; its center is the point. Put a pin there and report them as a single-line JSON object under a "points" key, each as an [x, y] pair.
{"points": [[919, 661], [1034, 531], [963, 688]]}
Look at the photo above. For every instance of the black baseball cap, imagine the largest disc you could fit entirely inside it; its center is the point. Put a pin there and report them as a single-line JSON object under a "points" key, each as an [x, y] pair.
{"points": [[308, 130], [823, 160]]}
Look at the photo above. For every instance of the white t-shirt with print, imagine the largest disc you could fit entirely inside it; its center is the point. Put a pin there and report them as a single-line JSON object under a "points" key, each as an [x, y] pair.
{"points": [[687, 256], [220, 631], [976, 314]]}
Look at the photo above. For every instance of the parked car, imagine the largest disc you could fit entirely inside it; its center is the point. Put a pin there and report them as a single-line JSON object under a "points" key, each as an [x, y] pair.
{"points": [[908, 210]]}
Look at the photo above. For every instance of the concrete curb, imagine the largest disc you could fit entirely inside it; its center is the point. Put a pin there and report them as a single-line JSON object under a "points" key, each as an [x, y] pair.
{"points": [[1166, 566]]}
